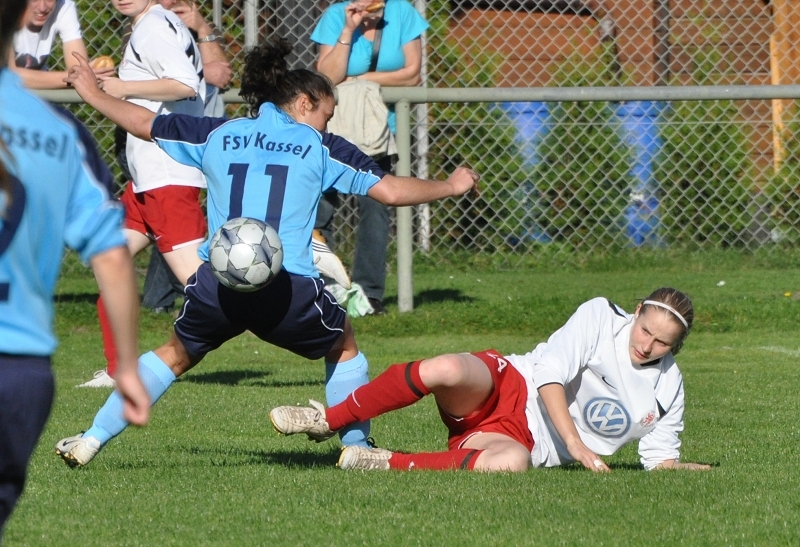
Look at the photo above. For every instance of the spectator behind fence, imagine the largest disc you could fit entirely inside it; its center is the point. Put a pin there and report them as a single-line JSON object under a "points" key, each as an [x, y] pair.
{"points": [[162, 71], [161, 287], [383, 46], [33, 42]]}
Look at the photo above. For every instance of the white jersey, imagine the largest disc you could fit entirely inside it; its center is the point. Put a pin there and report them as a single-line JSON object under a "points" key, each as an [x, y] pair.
{"points": [[161, 46], [32, 49], [612, 401]]}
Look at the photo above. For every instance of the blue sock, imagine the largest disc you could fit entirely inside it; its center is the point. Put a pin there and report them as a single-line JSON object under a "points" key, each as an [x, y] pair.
{"points": [[341, 379], [156, 377]]}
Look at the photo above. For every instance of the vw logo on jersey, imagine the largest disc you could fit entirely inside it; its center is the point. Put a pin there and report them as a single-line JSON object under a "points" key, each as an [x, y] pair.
{"points": [[607, 417]]}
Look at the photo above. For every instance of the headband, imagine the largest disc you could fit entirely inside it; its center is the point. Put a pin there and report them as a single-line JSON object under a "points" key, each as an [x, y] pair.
{"points": [[668, 308]]}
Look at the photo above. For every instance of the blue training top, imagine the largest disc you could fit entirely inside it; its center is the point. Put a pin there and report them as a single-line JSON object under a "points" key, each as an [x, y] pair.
{"points": [[271, 168], [55, 200]]}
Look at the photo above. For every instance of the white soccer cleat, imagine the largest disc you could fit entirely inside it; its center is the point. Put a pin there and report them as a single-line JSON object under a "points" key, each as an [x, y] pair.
{"points": [[329, 264], [100, 379], [364, 459], [78, 450], [289, 420]]}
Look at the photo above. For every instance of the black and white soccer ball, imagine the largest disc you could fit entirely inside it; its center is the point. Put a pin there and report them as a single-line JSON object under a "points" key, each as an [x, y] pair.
{"points": [[245, 254]]}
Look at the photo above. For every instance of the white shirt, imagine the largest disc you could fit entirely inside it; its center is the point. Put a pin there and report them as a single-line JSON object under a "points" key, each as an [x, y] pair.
{"points": [[611, 401], [161, 46], [32, 49]]}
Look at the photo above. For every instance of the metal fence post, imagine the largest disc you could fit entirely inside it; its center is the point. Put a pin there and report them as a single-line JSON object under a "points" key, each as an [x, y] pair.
{"points": [[250, 23], [405, 288]]}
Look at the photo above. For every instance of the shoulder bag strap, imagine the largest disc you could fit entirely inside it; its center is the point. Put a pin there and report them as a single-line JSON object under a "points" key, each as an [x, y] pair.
{"points": [[376, 45]]}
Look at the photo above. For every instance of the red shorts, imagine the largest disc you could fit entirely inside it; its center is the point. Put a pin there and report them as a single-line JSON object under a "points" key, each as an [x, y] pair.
{"points": [[171, 215], [504, 410]]}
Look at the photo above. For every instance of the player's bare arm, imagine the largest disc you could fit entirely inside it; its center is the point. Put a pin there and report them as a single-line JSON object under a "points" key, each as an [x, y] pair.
{"points": [[135, 119], [400, 191], [555, 401]]}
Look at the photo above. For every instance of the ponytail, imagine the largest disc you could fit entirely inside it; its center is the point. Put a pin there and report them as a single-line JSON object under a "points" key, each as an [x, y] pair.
{"points": [[266, 78]]}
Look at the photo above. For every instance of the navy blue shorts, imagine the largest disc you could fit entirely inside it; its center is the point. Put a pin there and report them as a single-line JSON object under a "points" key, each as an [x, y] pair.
{"points": [[26, 395], [293, 312]]}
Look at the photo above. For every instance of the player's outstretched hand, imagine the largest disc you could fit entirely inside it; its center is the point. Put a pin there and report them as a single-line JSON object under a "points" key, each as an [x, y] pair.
{"points": [[82, 77], [136, 401], [463, 180], [581, 453]]}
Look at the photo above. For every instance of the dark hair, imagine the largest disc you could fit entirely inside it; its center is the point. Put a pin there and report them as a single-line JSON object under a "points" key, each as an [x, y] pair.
{"points": [[679, 302], [10, 13], [266, 78]]}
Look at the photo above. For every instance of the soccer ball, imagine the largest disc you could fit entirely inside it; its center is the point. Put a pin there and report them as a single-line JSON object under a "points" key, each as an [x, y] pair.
{"points": [[245, 254]]}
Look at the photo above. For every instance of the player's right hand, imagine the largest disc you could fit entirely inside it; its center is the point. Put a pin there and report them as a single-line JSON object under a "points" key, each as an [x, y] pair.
{"points": [[136, 401], [591, 461], [462, 180]]}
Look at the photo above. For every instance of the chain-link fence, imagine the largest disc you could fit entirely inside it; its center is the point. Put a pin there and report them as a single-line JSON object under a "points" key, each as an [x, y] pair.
{"points": [[572, 179]]}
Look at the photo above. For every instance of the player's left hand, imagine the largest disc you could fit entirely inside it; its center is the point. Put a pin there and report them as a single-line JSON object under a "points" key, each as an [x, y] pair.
{"points": [[463, 180]]}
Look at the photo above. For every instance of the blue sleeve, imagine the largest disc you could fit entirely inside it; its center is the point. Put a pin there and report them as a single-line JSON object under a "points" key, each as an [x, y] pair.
{"points": [[94, 219], [93, 159], [344, 151], [183, 137], [348, 169], [330, 25]]}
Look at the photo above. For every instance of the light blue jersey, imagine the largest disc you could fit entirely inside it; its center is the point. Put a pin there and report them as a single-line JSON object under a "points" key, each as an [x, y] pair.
{"points": [[55, 200], [402, 24], [271, 168]]}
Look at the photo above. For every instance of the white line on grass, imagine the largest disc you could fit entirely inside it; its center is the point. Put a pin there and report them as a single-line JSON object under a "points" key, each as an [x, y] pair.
{"points": [[781, 349]]}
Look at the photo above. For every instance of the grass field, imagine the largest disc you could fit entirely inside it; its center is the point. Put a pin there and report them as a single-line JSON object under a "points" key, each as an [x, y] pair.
{"points": [[209, 470]]}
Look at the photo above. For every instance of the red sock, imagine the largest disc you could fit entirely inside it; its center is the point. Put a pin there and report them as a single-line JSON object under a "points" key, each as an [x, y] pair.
{"points": [[109, 349], [397, 387], [463, 458]]}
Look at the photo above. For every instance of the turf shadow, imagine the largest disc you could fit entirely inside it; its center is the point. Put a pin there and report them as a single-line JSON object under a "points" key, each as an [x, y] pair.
{"points": [[76, 298], [623, 466], [436, 296], [245, 377], [291, 459]]}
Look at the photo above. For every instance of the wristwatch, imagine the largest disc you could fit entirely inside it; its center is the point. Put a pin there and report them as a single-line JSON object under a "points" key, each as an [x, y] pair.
{"points": [[210, 38]]}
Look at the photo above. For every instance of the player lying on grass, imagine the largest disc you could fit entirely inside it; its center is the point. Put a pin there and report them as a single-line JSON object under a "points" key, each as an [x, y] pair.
{"points": [[273, 166], [604, 379]]}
